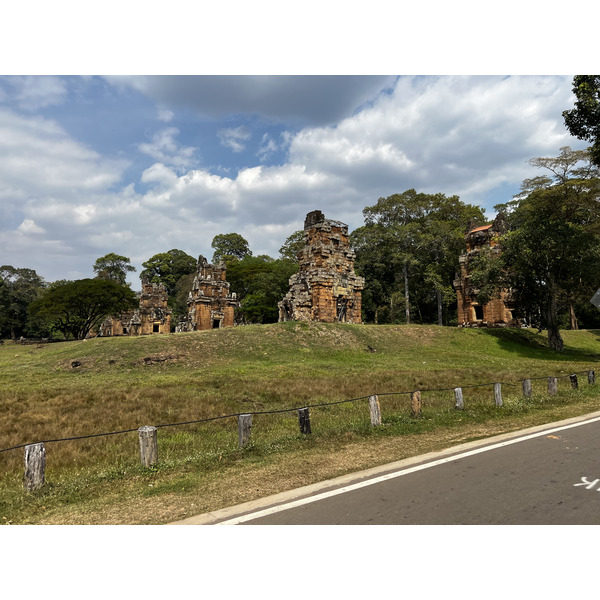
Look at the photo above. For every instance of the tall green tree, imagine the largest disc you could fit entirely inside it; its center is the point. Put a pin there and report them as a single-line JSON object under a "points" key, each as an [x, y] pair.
{"points": [[76, 307], [408, 250], [229, 246], [113, 267], [259, 283], [18, 288], [551, 256], [292, 246], [583, 121], [168, 268]]}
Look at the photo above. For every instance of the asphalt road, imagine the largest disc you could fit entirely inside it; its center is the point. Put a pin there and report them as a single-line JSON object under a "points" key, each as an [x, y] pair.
{"points": [[545, 475]]}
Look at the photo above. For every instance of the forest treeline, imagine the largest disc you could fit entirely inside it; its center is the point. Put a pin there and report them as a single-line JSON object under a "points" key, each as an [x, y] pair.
{"points": [[407, 251]]}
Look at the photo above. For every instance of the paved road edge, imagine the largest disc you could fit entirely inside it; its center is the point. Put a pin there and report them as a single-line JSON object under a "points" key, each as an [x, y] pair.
{"points": [[308, 490]]}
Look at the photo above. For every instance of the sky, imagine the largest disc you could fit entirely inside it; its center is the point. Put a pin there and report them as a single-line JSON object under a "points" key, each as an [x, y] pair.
{"points": [[135, 131], [138, 165]]}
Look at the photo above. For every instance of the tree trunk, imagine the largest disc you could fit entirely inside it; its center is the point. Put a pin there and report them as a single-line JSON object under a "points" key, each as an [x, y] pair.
{"points": [[555, 341], [439, 305], [572, 318], [406, 293]]}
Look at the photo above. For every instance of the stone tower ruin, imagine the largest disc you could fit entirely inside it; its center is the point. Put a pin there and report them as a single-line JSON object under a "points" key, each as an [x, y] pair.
{"points": [[325, 289], [153, 315], [210, 305], [497, 312]]}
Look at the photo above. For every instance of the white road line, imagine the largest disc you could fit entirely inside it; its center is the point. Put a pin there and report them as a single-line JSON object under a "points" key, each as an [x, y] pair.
{"points": [[361, 484]]}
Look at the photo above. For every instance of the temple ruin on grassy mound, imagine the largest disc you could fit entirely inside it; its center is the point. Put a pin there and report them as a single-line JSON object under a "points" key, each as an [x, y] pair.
{"points": [[325, 289], [153, 315], [210, 305], [498, 311]]}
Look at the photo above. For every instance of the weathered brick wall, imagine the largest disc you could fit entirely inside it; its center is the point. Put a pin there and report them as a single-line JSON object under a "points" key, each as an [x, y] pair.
{"points": [[210, 305], [152, 316], [497, 312], [325, 289]]}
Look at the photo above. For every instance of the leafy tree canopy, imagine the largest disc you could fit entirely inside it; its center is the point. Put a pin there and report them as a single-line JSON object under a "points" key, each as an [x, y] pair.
{"points": [[18, 288], [229, 246], [551, 256], [113, 267], [583, 121], [408, 251], [292, 246], [76, 307], [168, 268], [260, 283]]}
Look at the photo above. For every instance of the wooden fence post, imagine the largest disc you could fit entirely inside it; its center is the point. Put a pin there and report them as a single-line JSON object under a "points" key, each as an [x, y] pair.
{"points": [[526, 383], [573, 379], [552, 385], [304, 420], [458, 399], [415, 401], [498, 394], [244, 428], [375, 410], [148, 445], [591, 377], [35, 467]]}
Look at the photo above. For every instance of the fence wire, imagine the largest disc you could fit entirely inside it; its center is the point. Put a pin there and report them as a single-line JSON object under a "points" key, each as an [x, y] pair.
{"points": [[284, 410]]}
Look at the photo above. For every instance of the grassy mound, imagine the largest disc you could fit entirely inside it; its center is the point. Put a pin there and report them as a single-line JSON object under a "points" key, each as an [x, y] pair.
{"points": [[73, 389]]}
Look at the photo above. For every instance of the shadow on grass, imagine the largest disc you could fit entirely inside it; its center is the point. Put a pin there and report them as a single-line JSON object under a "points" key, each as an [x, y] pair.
{"points": [[531, 344]]}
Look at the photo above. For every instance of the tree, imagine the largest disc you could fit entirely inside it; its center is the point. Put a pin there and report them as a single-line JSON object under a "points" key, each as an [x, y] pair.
{"points": [[229, 246], [259, 283], [292, 246], [18, 288], [76, 307], [408, 250], [583, 121], [551, 255], [113, 267], [168, 268]]}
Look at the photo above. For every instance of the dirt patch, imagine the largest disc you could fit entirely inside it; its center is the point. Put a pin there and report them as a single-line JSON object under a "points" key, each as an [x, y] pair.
{"points": [[159, 359]]}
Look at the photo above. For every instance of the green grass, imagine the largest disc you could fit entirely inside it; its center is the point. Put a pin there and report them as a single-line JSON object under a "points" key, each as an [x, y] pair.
{"points": [[124, 383]]}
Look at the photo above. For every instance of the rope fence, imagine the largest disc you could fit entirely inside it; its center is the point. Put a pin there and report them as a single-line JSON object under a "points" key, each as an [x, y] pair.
{"points": [[35, 453]]}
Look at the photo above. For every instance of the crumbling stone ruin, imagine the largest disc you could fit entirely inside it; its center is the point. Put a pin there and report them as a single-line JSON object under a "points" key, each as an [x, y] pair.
{"points": [[210, 305], [326, 288], [153, 315], [497, 312]]}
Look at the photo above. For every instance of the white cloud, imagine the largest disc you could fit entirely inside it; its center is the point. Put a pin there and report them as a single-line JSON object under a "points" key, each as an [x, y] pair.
{"points": [[267, 147], [234, 137], [34, 92], [166, 115], [62, 207], [37, 157], [29, 226], [166, 149]]}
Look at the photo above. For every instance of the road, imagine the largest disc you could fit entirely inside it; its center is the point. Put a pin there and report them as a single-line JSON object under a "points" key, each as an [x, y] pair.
{"points": [[544, 475]]}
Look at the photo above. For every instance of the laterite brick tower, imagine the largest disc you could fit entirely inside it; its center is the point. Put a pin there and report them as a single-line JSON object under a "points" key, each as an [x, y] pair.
{"points": [[210, 305], [325, 289], [498, 311], [153, 315]]}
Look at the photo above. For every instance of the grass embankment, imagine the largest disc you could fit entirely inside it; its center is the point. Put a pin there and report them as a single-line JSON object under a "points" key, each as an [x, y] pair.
{"points": [[124, 383]]}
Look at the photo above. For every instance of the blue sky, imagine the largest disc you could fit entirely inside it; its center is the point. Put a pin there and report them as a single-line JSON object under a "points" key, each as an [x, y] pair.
{"points": [[138, 165]]}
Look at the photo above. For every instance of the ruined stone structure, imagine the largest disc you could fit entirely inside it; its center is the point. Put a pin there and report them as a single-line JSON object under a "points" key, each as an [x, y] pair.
{"points": [[153, 315], [326, 288], [210, 305], [497, 312]]}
